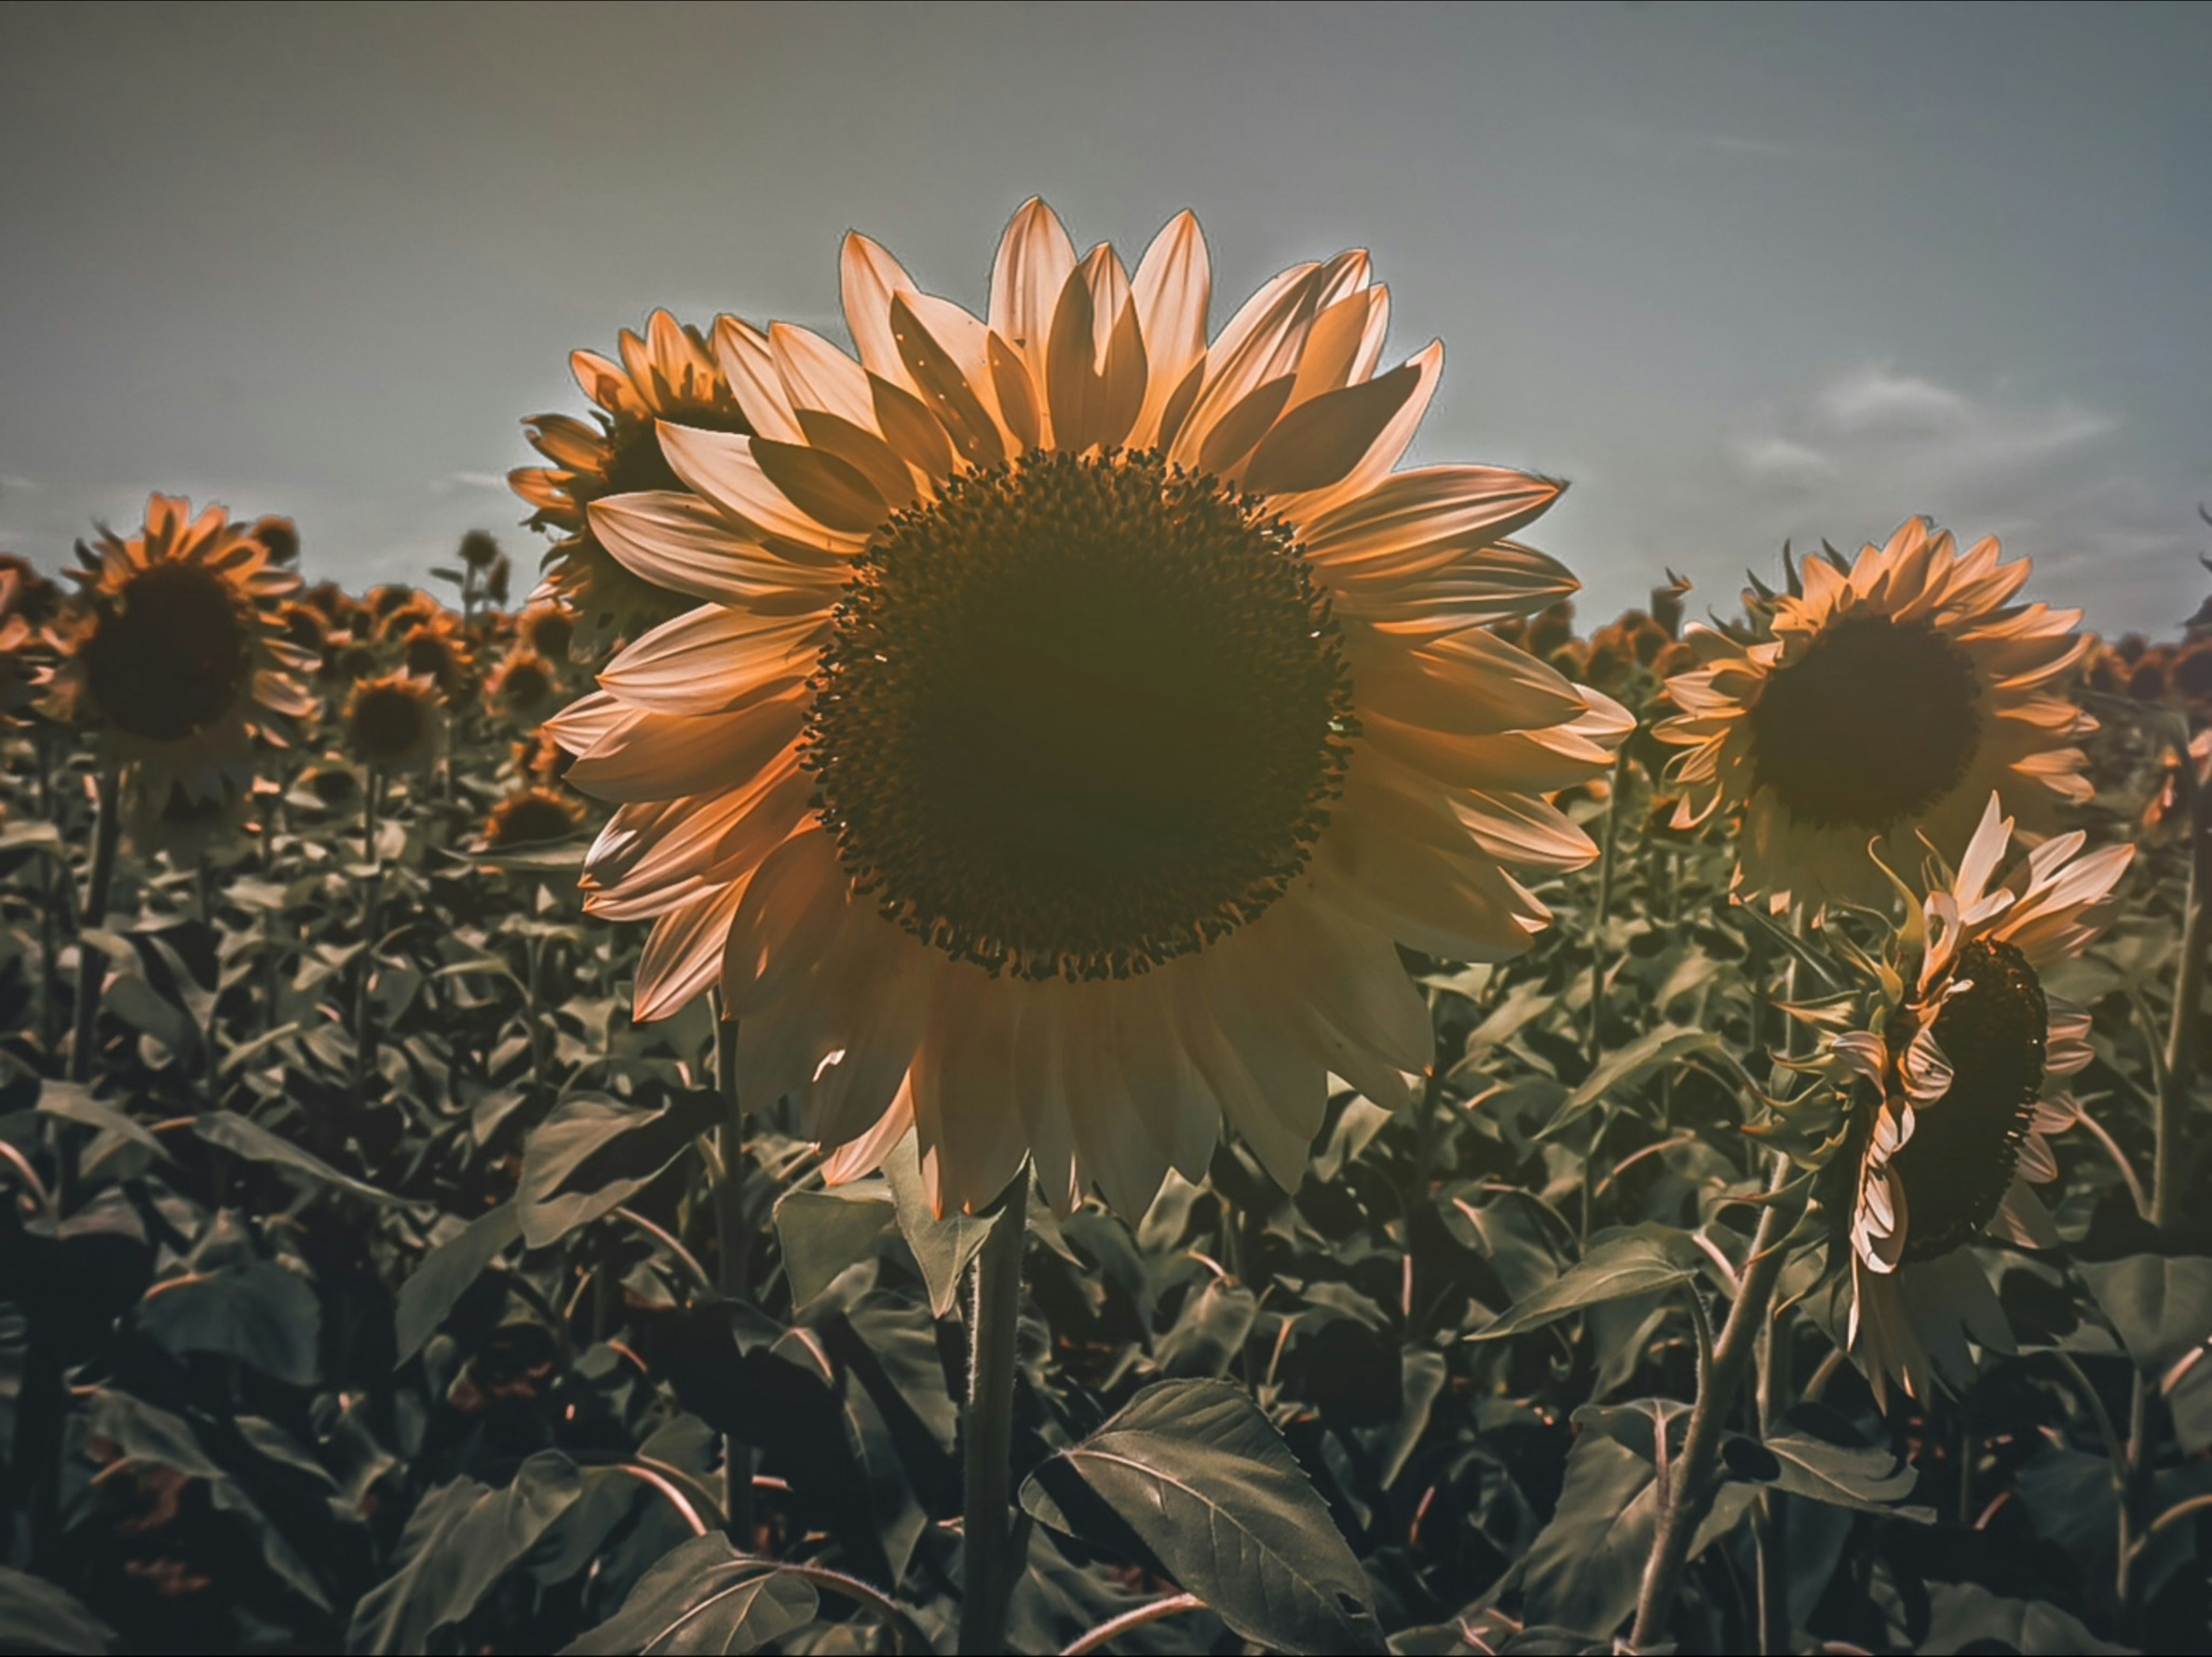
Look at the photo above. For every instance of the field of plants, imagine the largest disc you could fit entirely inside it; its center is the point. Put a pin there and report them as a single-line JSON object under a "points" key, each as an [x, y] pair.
{"points": [[1782, 1246]]}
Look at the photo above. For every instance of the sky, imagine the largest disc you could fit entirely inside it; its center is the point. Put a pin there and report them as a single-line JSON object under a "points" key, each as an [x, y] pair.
{"points": [[1738, 273]]}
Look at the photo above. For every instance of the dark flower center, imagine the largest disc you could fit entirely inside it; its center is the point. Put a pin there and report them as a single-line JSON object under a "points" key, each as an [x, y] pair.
{"points": [[524, 684], [388, 721], [534, 815], [170, 656], [1079, 717], [1874, 721], [1959, 1163]]}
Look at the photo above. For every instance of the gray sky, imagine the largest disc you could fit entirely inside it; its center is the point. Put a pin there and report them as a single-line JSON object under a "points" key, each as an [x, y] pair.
{"points": [[1738, 272]]}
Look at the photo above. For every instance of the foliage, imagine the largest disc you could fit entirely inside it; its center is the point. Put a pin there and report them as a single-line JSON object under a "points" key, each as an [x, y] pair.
{"points": [[382, 1286]]}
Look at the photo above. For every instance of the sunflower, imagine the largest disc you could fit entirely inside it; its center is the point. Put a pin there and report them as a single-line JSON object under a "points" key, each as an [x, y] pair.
{"points": [[1892, 699], [1078, 716], [529, 815], [179, 654], [547, 628], [1963, 1055], [436, 647], [395, 722], [668, 373], [524, 687]]}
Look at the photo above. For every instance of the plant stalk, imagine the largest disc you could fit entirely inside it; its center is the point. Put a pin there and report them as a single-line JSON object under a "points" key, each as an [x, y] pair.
{"points": [[1605, 902], [364, 1011], [1732, 1354], [2170, 1171], [734, 1240], [987, 1568], [91, 964]]}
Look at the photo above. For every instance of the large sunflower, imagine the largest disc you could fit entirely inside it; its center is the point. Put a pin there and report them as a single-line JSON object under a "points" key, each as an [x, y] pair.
{"points": [[1892, 697], [1078, 716], [668, 373], [1963, 1055], [179, 656]]}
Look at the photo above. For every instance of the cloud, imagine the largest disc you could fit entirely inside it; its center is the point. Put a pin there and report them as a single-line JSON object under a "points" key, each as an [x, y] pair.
{"points": [[1769, 456], [1877, 400]]}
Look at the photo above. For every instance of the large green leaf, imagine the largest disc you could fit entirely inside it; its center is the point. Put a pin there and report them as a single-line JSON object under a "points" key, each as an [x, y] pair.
{"points": [[704, 1597], [259, 1313], [1654, 1049], [1870, 1479], [942, 1248], [1195, 1470], [436, 1285], [461, 1541], [37, 1619], [1967, 1616], [580, 1132], [2160, 1304], [822, 1232], [242, 1136], [1641, 1261]]}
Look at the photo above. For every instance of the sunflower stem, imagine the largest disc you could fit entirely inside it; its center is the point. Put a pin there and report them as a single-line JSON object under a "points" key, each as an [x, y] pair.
{"points": [[2168, 1173], [734, 1240], [1605, 904], [91, 963], [364, 1010], [994, 1321], [1690, 1490]]}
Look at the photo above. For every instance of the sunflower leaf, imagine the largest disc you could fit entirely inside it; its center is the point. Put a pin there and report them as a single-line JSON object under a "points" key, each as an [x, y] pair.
{"points": [[703, 1596], [1641, 1261]]}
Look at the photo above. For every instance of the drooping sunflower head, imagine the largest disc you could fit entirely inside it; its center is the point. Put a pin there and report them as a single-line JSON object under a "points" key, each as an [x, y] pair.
{"points": [[667, 373], [523, 687], [1891, 698], [179, 654], [395, 722], [530, 816], [1077, 715], [1962, 1055]]}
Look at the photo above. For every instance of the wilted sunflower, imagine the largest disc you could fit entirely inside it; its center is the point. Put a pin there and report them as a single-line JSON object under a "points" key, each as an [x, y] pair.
{"points": [[1078, 717], [524, 687], [395, 722], [670, 373], [1893, 698], [529, 815], [1963, 1057], [179, 653]]}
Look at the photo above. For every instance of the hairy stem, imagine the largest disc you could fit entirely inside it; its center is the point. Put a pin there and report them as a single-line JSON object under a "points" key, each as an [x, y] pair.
{"points": [[372, 896], [994, 1321], [733, 1242], [1691, 1488]]}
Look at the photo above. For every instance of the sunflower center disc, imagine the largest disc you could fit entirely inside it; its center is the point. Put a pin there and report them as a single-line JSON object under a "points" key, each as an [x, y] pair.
{"points": [[1080, 716], [388, 722], [172, 656], [1959, 1161], [1875, 722]]}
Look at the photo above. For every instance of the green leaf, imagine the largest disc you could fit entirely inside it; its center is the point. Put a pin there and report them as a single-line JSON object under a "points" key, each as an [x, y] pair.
{"points": [[942, 1248], [2161, 1306], [1868, 1478], [1639, 1261], [1669, 1044], [824, 1232], [1585, 1567], [1195, 1470], [1967, 1616], [1423, 1376], [557, 1149], [36, 1617], [431, 1291], [705, 1596], [459, 1542], [243, 1136], [73, 1102], [260, 1314]]}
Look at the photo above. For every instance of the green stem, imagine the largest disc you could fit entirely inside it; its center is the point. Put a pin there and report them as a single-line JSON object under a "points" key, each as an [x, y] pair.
{"points": [[734, 1240], [1690, 1492], [2169, 1175], [364, 1012], [994, 1321], [91, 963], [1605, 903]]}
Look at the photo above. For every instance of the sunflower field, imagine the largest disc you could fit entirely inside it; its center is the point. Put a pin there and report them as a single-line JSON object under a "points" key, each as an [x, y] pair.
{"points": [[1035, 1000]]}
